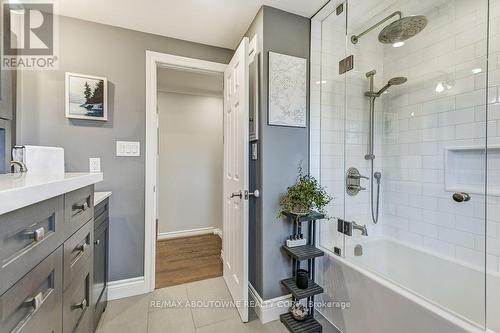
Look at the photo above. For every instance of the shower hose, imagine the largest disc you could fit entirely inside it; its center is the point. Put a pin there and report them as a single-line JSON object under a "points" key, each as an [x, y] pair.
{"points": [[374, 211]]}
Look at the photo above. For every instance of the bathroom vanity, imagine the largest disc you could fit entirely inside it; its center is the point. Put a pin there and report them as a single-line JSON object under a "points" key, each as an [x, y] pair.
{"points": [[47, 253]]}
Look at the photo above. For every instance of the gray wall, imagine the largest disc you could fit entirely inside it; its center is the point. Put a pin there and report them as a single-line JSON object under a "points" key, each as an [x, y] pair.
{"points": [[281, 149], [119, 55]]}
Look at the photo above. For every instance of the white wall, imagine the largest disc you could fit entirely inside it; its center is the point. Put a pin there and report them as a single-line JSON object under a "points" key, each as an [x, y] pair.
{"points": [[423, 122], [190, 162]]}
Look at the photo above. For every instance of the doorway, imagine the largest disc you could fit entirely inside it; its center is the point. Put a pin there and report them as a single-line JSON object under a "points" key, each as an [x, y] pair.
{"points": [[235, 193], [189, 176], [154, 62]]}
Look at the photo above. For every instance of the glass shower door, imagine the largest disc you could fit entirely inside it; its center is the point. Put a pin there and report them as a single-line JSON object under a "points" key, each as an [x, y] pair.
{"points": [[415, 125], [330, 84]]}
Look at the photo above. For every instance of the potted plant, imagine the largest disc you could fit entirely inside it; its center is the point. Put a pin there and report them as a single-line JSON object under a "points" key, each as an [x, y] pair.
{"points": [[304, 196]]}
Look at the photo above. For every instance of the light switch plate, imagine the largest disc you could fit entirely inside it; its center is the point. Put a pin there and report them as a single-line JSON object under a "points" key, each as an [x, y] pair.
{"points": [[128, 148], [94, 164]]}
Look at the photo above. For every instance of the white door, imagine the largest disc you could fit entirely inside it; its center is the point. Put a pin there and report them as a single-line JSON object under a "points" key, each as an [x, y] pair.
{"points": [[235, 234]]}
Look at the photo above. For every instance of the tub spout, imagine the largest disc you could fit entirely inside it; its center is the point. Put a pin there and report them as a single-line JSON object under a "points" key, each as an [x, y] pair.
{"points": [[362, 228]]}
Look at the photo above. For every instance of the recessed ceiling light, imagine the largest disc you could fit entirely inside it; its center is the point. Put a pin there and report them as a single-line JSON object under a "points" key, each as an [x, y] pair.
{"points": [[398, 44], [476, 70]]}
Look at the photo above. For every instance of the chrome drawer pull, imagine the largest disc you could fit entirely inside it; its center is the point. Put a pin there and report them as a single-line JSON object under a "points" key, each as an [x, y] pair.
{"points": [[81, 248], [82, 305], [83, 206], [37, 234], [35, 301], [96, 242]]}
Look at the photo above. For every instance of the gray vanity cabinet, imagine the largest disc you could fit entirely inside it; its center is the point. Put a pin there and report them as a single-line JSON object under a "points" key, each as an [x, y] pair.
{"points": [[101, 246], [46, 265]]}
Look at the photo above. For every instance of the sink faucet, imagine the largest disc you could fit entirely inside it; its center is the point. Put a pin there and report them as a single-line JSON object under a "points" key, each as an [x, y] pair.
{"points": [[362, 228], [21, 165]]}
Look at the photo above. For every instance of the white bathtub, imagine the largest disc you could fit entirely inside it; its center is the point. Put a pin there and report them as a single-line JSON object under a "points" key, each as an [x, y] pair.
{"points": [[394, 288]]}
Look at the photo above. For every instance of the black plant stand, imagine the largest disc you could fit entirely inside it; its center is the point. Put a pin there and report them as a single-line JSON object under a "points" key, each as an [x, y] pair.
{"points": [[298, 254]]}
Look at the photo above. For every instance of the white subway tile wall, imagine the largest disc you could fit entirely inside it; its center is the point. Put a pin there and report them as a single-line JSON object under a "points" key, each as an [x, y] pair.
{"points": [[441, 106]]}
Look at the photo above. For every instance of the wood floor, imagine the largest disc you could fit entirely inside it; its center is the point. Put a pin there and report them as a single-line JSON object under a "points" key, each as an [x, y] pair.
{"points": [[188, 259]]}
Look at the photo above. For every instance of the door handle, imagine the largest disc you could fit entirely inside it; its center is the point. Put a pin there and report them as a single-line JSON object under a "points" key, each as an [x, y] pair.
{"points": [[255, 193], [245, 194], [236, 194]]}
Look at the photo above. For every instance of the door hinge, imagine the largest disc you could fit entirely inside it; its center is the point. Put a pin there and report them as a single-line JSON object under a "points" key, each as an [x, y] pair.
{"points": [[346, 64]]}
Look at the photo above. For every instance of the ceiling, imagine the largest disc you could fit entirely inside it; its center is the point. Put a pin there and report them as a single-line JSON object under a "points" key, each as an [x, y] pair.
{"points": [[190, 82], [214, 22]]}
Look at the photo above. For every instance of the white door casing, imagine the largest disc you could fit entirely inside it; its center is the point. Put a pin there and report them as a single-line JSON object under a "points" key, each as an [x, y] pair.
{"points": [[236, 164]]}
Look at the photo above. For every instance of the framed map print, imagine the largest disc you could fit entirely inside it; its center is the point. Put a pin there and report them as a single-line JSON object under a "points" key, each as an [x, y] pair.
{"points": [[287, 90]]}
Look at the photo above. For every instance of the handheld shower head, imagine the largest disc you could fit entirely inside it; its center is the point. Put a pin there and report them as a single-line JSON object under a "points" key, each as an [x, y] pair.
{"points": [[395, 81]]}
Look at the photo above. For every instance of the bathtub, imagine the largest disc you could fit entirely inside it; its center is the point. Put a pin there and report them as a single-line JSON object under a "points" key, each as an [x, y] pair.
{"points": [[394, 288]]}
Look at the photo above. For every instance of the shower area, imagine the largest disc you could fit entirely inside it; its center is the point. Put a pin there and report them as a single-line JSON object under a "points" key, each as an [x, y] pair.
{"points": [[405, 135]]}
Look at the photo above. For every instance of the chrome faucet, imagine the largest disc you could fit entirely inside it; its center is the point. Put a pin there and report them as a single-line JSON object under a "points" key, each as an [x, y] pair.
{"points": [[362, 228], [21, 165]]}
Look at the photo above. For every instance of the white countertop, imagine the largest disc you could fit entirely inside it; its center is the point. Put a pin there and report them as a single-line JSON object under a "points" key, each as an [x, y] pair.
{"points": [[100, 196], [18, 190]]}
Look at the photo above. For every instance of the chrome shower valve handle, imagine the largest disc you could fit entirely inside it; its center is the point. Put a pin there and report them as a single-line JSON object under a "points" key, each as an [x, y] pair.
{"points": [[353, 181]]}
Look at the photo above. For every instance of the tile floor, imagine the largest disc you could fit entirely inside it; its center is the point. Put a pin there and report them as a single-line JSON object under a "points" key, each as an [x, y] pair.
{"points": [[137, 314]]}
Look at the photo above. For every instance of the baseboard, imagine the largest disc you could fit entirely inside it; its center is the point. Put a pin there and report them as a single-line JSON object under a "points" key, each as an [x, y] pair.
{"points": [[269, 310], [189, 233], [126, 288], [218, 232]]}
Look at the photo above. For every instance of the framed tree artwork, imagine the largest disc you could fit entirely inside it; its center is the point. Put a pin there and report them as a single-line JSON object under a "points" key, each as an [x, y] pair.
{"points": [[86, 97]]}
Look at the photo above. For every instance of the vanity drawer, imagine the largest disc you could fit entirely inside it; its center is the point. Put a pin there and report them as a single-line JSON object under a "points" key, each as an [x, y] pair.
{"points": [[34, 303], [77, 313], [78, 254], [78, 208], [27, 236]]}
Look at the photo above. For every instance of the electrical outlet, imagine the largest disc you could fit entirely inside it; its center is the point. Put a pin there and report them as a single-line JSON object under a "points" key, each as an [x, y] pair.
{"points": [[94, 164]]}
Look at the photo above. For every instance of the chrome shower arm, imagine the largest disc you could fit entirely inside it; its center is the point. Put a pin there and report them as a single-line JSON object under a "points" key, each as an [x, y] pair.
{"points": [[355, 38]]}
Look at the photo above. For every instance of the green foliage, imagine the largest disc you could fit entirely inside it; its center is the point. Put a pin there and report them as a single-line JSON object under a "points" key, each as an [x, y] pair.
{"points": [[87, 92], [98, 93], [304, 196]]}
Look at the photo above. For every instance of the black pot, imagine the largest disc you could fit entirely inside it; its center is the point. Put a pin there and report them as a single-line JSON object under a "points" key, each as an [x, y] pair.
{"points": [[302, 279]]}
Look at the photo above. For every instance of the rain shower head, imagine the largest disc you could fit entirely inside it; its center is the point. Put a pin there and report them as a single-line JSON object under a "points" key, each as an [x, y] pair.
{"points": [[399, 30], [402, 29]]}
